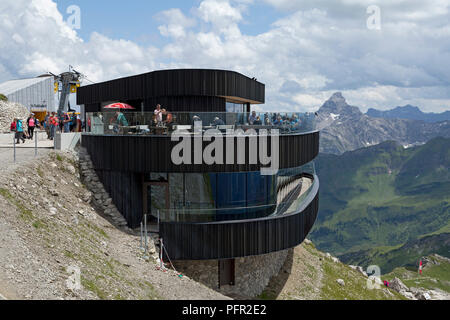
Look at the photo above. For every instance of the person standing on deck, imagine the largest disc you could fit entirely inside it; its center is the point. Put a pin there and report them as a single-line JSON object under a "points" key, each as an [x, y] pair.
{"points": [[159, 114], [31, 121]]}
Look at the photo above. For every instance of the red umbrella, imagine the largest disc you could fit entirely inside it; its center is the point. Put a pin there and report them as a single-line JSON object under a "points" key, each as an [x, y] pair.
{"points": [[119, 106]]}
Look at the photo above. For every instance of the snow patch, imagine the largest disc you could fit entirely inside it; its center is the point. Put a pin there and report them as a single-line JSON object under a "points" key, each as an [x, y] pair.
{"points": [[334, 116]]}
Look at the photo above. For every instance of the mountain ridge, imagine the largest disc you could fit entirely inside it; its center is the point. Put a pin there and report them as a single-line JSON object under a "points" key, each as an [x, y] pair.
{"points": [[409, 112], [345, 128]]}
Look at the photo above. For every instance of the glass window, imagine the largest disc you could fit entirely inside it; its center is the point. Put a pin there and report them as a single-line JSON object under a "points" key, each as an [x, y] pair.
{"points": [[235, 107], [155, 176], [231, 190], [176, 189], [198, 190]]}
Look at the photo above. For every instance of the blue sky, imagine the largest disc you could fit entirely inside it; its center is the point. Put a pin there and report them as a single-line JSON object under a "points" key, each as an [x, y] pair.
{"points": [[135, 19], [393, 54]]}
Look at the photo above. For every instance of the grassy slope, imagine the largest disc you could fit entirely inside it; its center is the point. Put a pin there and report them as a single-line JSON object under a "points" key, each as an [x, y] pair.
{"points": [[382, 196], [433, 277], [407, 255], [313, 276]]}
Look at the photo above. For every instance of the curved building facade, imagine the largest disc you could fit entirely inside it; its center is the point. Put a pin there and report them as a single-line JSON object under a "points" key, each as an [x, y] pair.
{"points": [[222, 185], [179, 90]]}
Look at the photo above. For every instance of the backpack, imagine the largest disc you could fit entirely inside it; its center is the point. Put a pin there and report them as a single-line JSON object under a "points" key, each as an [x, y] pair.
{"points": [[31, 123], [19, 126]]}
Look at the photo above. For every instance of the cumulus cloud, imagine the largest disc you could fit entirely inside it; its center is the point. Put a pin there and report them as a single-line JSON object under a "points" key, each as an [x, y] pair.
{"points": [[175, 23], [315, 48], [34, 39]]}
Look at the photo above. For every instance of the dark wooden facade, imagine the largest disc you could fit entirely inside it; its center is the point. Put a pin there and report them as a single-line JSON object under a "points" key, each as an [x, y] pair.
{"points": [[231, 239], [121, 161], [199, 90], [125, 188], [153, 153]]}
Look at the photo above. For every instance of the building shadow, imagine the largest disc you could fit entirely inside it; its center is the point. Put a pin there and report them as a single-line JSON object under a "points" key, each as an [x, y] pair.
{"points": [[278, 281]]}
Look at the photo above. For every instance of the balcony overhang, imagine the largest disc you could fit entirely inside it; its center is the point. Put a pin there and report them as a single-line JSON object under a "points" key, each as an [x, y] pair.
{"points": [[239, 100], [152, 153]]}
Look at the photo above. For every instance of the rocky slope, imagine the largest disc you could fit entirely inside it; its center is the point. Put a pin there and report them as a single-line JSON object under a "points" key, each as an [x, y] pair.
{"points": [[309, 274], [346, 128], [432, 284], [9, 111], [50, 229]]}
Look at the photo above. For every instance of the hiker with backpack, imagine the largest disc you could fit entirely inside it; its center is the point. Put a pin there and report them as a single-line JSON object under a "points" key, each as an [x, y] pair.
{"points": [[12, 128], [19, 131], [31, 121]]}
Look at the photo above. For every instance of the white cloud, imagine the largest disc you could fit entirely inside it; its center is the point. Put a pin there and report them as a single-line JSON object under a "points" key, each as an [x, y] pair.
{"points": [[218, 12], [35, 39], [175, 23]]}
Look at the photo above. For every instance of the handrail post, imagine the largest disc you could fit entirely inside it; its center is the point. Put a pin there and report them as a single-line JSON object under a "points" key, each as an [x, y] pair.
{"points": [[145, 232], [14, 143], [161, 248], [142, 237], [35, 143]]}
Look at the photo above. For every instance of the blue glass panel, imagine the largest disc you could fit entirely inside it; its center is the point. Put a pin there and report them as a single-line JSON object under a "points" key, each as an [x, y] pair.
{"points": [[256, 189], [231, 190]]}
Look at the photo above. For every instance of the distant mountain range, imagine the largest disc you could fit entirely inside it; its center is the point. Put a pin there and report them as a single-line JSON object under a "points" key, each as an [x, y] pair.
{"points": [[409, 112], [346, 128], [376, 202]]}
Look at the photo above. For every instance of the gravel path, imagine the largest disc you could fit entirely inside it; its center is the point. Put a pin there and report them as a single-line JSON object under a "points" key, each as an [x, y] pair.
{"points": [[25, 152], [23, 156]]}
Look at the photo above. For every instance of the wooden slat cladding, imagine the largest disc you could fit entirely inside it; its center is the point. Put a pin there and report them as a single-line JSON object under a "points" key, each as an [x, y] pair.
{"points": [[126, 191], [185, 84], [153, 153], [186, 103], [226, 240]]}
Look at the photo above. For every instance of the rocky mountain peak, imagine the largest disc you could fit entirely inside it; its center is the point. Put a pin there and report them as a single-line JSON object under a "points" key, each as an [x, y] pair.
{"points": [[409, 108], [337, 98], [338, 105]]}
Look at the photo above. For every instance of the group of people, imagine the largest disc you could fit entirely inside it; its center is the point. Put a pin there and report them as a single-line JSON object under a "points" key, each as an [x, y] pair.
{"points": [[275, 119], [52, 123], [18, 127], [161, 118], [66, 122], [158, 119]]}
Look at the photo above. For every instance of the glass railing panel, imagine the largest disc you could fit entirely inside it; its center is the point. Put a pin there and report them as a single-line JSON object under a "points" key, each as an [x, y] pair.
{"points": [[145, 123], [240, 210]]}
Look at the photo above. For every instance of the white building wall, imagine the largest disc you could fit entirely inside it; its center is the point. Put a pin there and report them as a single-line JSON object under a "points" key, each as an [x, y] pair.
{"points": [[31, 92]]}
